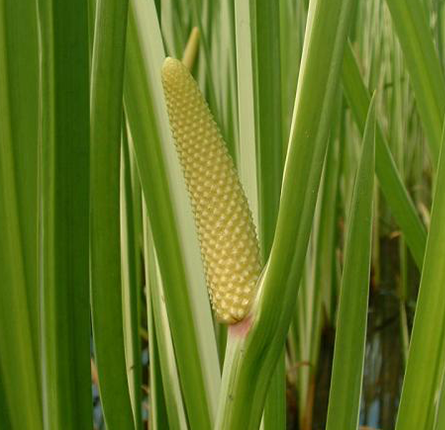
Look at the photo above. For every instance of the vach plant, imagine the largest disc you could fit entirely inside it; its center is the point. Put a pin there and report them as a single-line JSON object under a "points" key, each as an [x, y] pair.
{"points": [[229, 244]]}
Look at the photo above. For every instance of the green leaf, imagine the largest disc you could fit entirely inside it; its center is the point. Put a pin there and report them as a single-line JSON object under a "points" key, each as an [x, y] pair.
{"points": [[131, 279], [258, 59], [318, 283], [275, 408], [158, 409], [202, 13], [411, 24], [248, 132], [422, 381], [390, 182], [167, 389], [22, 68], [63, 214], [19, 306], [327, 232], [251, 359], [349, 350], [170, 217], [267, 86], [106, 287], [265, 17], [440, 416], [4, 414], [224, 59]]}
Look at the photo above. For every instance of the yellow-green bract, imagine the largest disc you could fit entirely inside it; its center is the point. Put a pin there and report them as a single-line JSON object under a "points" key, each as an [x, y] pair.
{"points": [[229, 244]]}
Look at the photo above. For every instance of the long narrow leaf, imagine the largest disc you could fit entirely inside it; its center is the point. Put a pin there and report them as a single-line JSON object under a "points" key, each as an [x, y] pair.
{"points": [[344, 396], [265, 18], [267, 86], [411, 24], [18, 323], [4, 414], [106, 290], [440, 415], [161, 334], [392, 186], [422, 382], [131, 283], [170, 218], [158, 409], [252, 358], [64, 209], [246, 106], [21, 48]]}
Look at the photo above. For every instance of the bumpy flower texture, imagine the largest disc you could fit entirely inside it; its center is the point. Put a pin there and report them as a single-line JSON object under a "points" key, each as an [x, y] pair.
{"points": [[229, 244]]}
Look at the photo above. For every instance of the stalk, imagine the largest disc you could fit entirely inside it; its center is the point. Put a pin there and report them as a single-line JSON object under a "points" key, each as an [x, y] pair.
{"points": [[252, 358]]}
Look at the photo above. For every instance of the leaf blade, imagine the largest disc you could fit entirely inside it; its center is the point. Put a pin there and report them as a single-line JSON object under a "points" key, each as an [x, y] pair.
{"points": [[106, 282], [63, 215], [170, 218], [390, 182], [346, 381], [411, 24], [427, 342]]}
